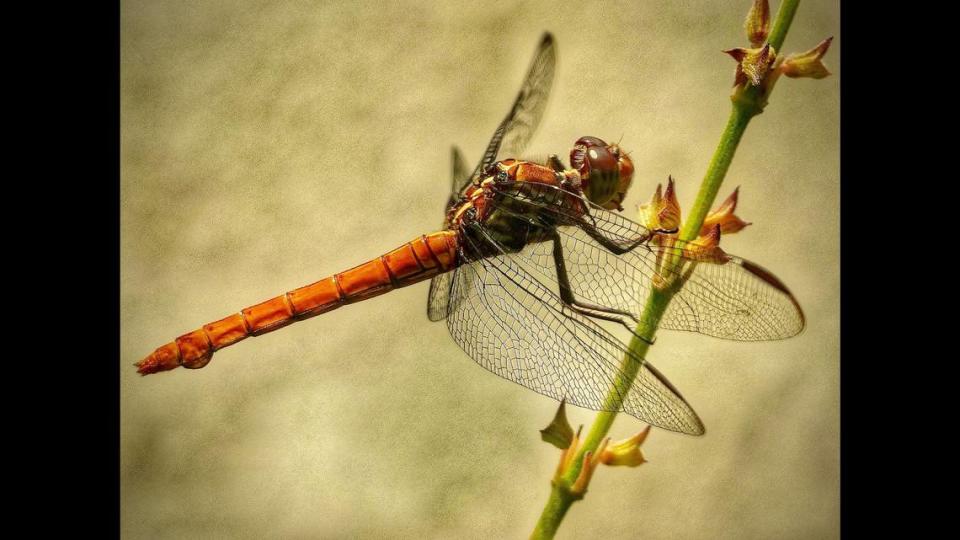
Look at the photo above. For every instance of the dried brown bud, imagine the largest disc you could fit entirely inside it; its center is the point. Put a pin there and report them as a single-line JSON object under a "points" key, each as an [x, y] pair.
{"points": [[725, 217], [706, 247], [649, 211], [669, 211], [757, 24], [807, 64], [662, 212], [709, 240], [752, 64]]}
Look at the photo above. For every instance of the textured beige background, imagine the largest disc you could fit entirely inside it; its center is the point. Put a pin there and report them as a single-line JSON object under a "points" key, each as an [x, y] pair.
{"points": [[268, 144]]}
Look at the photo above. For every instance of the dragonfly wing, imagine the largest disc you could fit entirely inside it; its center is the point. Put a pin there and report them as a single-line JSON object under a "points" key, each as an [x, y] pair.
{"points": [[460, 176], [723, 296], [515, 327], [438, 299], [517, 128], [738, 300], [511, 136]]}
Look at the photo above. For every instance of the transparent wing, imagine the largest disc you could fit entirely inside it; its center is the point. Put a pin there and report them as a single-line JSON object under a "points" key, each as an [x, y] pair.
{"points": [[517, 128], [722, 296], [511, 136], [515, 327], [439, 296], [438, 299], [460, 176]]}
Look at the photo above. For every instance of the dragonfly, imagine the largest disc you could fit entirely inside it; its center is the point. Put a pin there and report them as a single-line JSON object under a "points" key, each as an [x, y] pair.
{"points": [[532, 263]]}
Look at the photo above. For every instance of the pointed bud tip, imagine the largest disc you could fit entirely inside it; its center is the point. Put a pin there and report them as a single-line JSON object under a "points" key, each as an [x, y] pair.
{"points": [[724, 216], [649, 213], [824, 45], [808, 64], [706, 247], [671, 188], [729, 204], [558, 433], [668, 213], [626, 452], [757, 24], [738, 53]]}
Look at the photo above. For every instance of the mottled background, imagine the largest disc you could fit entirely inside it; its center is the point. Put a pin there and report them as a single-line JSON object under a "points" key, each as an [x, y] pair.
{"points": [[268, 144]]}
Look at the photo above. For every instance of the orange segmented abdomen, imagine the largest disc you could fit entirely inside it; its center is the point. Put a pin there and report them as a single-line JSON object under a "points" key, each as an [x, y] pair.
{"points": [[415, 261]]}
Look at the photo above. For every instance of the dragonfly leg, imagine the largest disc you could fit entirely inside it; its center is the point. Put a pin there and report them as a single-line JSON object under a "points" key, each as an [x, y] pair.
{"points": [[613, 247], [588, 308], [554, 162]]}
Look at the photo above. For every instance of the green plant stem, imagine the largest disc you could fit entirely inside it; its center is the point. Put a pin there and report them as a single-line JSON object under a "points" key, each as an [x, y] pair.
{"points": [[747, 103], [561, 498], [737, 123], [788, 8], [557, 505]]}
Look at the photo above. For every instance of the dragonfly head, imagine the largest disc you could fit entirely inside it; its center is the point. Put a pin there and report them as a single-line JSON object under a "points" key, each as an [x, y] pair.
{"points": [[605, 171]]}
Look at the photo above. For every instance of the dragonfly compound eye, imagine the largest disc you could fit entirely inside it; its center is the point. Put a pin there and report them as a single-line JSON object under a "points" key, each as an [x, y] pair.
{"points": [[625, 168], [599, 166]]}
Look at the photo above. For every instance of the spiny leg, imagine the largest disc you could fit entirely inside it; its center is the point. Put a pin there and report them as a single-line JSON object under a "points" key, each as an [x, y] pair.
{"points": [[590, 228], [587, 308], [554, 162], [611, 246]]}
